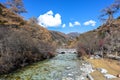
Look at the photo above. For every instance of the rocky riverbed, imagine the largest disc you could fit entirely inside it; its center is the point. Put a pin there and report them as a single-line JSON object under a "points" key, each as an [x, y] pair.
{"points": [[62, 67]]}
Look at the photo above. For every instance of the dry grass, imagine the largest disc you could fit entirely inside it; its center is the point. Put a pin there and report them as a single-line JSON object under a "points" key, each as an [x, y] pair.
{"points": [[111, 65], [97, 75]]}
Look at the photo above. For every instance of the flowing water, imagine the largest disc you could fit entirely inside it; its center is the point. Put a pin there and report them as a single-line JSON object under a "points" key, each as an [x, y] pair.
{"points": [[62, 67]]}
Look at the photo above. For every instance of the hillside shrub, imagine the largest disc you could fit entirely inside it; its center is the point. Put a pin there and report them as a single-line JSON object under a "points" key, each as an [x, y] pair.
{"points": [[18, 48]]}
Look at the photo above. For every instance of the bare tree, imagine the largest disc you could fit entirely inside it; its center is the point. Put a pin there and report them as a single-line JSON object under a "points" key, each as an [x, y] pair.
{"points": [[116, 6], [107, 12], [33, 21], [16, 6], [81, 50], [110, 11], [18, 48]]}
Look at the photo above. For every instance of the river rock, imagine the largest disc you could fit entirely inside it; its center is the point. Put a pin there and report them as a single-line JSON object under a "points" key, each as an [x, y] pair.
{"points": [[68, 68], [67, 78], [70, 75], [75, 72], [80, 78]]}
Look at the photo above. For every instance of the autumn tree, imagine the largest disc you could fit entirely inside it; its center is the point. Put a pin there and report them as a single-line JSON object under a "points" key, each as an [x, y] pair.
{"points": [[16, 6]]}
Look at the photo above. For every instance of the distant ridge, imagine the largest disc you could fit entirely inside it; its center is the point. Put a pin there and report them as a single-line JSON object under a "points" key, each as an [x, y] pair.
{"points": [[73, 35]]}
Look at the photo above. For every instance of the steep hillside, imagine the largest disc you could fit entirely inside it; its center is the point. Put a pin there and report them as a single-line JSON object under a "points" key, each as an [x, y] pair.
{"points": [[13, 20], [59, 37], [106, 39], [21, 42], [73, 35], [9, 18]]}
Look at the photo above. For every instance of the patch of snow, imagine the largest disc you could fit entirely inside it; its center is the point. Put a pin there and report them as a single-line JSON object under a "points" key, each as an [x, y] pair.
{"points": [[102, 70], [109, 76], [87, 68]]}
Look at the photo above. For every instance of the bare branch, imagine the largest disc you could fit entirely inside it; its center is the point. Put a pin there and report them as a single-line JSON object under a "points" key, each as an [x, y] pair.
{"points": [[16, 6]]}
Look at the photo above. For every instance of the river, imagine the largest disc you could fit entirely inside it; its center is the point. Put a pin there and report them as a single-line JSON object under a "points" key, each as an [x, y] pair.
{"points": [[62, 67]]}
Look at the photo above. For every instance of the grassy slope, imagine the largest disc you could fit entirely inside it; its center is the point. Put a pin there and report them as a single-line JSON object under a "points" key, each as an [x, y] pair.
{"points": [[111, 65]]}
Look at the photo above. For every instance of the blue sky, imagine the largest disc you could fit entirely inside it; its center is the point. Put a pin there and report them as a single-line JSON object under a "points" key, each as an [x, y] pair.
{"points": [[66, 15]]}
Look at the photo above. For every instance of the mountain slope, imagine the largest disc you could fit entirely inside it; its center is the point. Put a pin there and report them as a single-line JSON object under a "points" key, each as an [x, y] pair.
{"points": [[22, 43], [73, 35], [9, 18], [59, 37], [106, 38]]}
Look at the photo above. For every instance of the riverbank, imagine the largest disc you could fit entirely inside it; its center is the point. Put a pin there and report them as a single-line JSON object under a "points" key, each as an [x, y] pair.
{"points": [[112, 67], [61, 67]]}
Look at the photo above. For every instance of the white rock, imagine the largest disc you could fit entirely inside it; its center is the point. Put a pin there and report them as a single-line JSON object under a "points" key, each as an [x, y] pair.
{"points": [[67, 78], [70, 75], [68, 68], [79, 78], [75, 72]]}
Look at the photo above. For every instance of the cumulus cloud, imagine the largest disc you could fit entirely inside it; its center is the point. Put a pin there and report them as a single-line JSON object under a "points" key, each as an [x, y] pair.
{"points": [[90, 22], [70, 24], [49, 19], [64, 25], [76, 23]]}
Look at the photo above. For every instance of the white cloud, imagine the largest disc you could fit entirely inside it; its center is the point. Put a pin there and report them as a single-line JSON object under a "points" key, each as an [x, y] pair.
{"points": [[76, 23], [90, 22], [49, 19], [71, 25], [64, 25]]}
